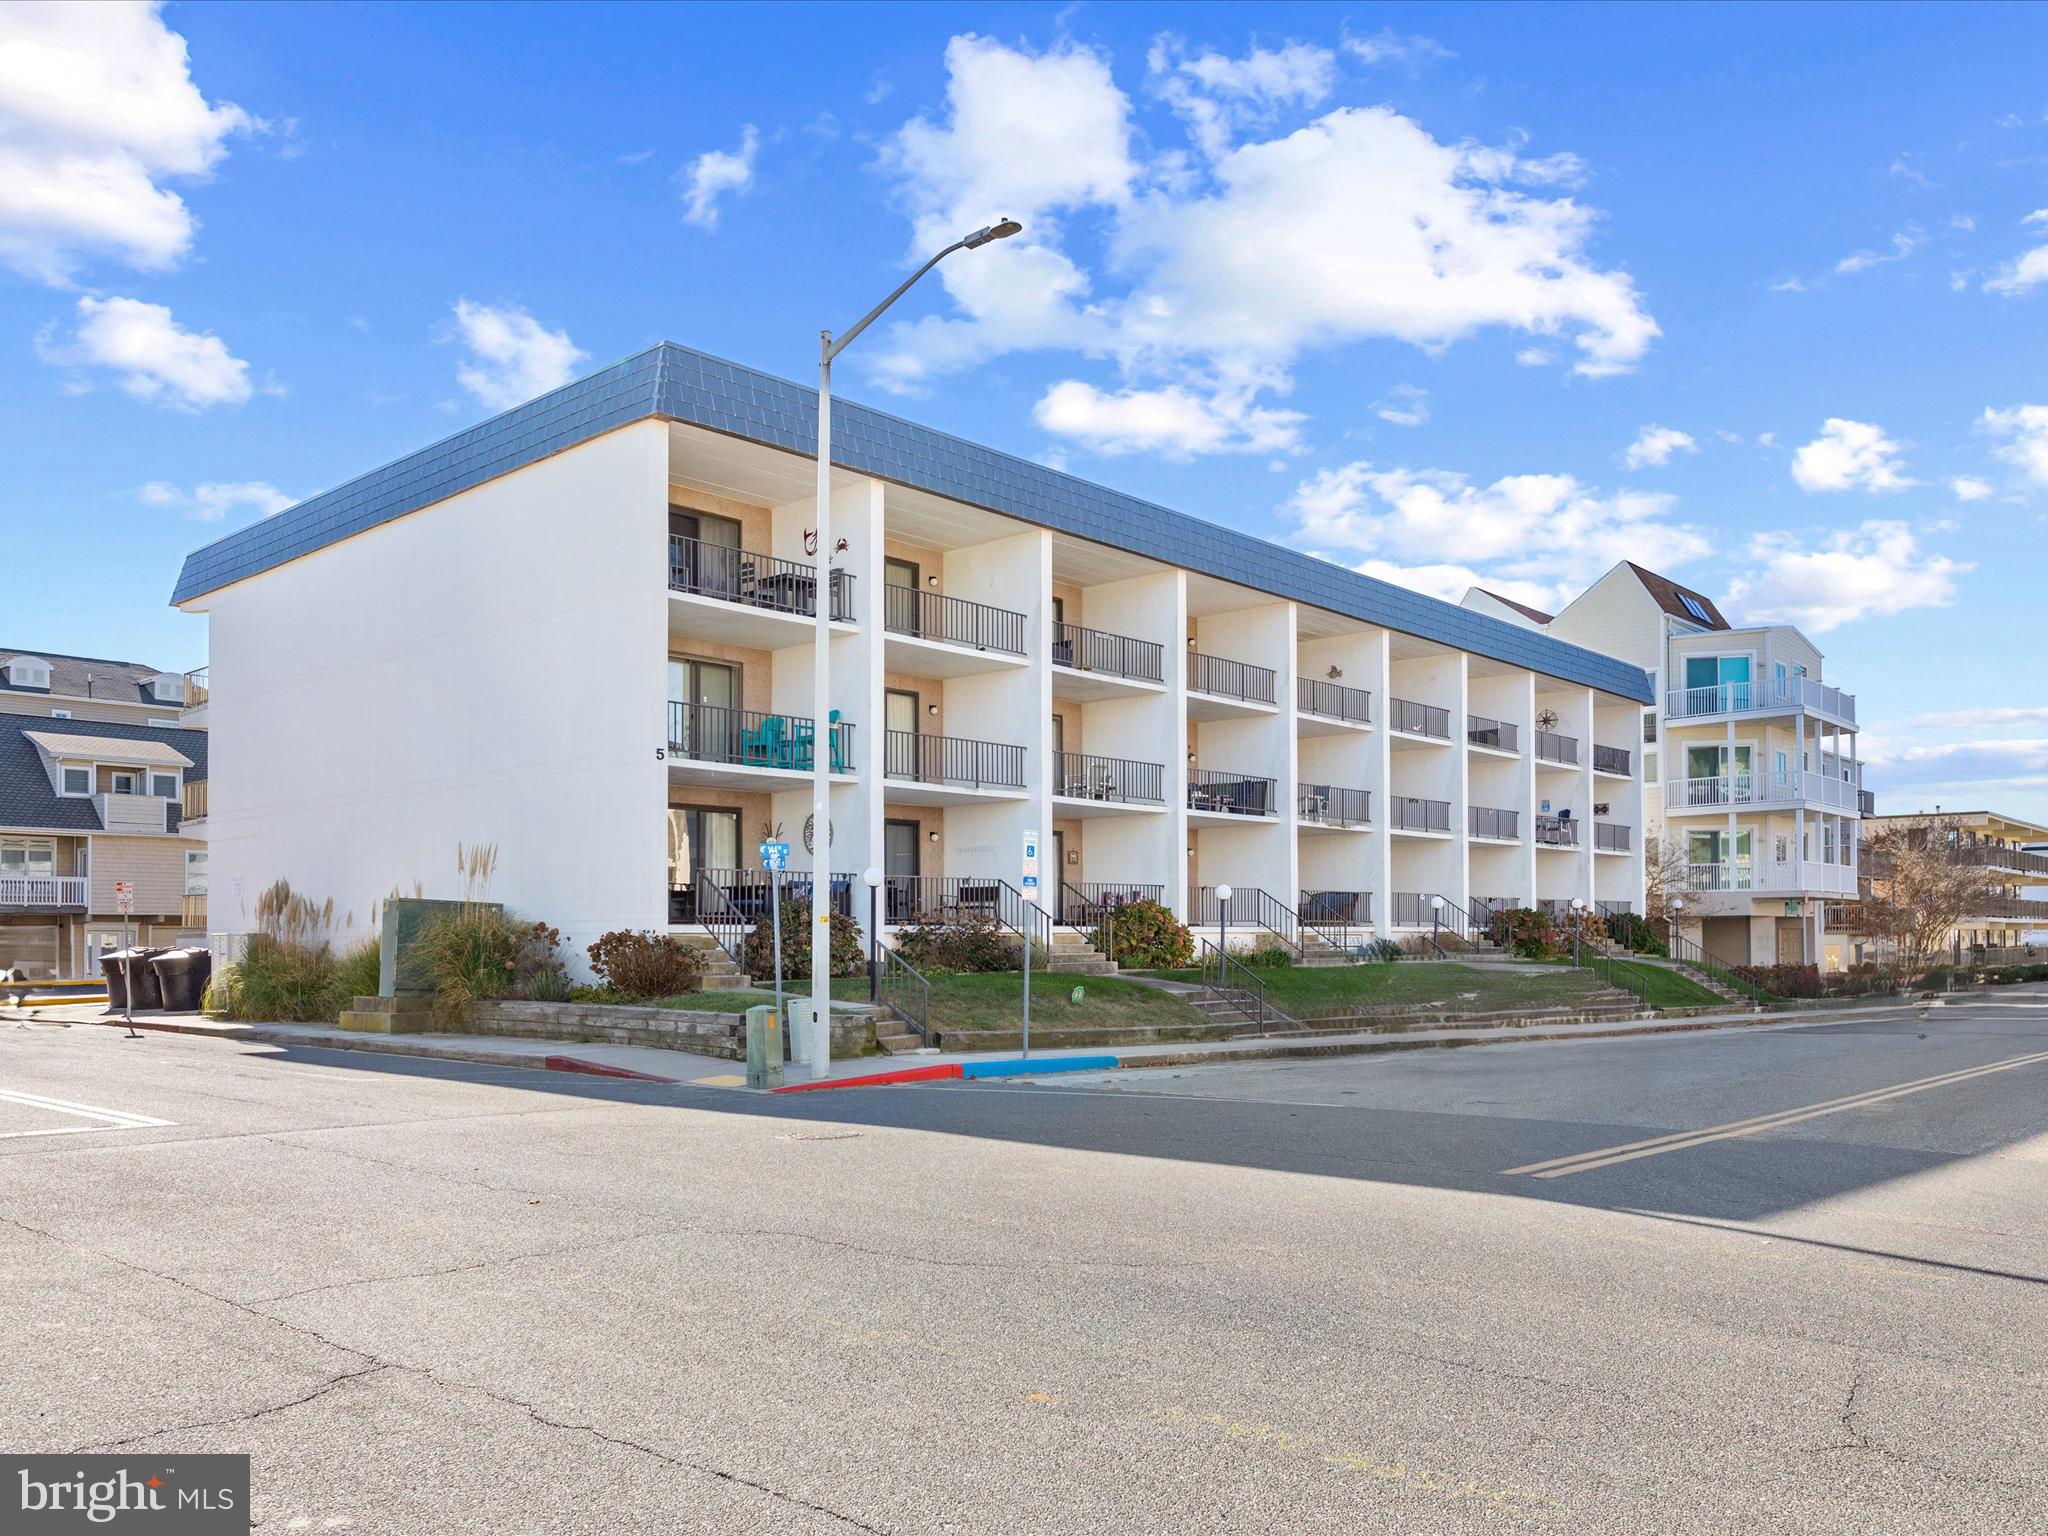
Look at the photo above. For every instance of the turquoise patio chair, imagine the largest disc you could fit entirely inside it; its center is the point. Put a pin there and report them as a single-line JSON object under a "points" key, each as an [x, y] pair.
{"points": [[764, 743]]}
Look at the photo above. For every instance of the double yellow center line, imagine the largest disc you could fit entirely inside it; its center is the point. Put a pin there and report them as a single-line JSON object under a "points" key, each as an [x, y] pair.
{"points": [[1678, 1141]]}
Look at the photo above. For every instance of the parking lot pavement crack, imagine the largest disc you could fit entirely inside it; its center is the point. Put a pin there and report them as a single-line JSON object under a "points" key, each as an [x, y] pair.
{"points": [[1493, 1373], [1859, 1439], [581, 1246], [331, 1384]]}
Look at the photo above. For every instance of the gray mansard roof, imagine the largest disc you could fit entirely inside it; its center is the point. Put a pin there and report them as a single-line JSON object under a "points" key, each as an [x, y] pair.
{"points": [[674, 383]]}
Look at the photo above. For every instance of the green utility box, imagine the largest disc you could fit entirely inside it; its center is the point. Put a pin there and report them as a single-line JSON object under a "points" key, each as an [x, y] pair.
{"points": [[764, 1047]]}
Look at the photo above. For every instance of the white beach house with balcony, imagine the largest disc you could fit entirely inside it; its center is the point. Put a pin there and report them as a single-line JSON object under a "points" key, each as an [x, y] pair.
{"points": [[1753, 789]]}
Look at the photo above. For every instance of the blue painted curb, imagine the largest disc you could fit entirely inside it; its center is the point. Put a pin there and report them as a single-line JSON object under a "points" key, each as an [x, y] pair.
{"points": [[1040, 1067]]}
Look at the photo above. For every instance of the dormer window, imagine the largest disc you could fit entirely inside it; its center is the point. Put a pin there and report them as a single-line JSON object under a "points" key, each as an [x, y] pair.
{"points": [[1694, 607], [28, 672], [167, 688], [77, 780]]}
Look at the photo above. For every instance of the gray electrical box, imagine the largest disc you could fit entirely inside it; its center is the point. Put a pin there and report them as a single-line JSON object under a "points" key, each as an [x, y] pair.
{"points": [[764, 1047]]}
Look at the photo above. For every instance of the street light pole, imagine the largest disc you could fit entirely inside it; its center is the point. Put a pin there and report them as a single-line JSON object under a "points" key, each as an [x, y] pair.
{"points": [[1436, 918], [873, 877], [1677, 916], [1223, 926], [1578, 911], [821, 661]]}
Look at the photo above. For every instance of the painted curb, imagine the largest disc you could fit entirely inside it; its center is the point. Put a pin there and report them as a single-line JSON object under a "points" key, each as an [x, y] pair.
{"points": [[1049, 1064], [877, 1079], [599, 1069]]}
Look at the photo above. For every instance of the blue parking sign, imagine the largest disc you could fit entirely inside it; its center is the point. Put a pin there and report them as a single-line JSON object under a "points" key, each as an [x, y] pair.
{"points": [[775, 855]]}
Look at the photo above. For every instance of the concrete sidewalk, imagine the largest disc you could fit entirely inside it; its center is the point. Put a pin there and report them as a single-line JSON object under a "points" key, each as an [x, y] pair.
{"points": [[655, 1064]]}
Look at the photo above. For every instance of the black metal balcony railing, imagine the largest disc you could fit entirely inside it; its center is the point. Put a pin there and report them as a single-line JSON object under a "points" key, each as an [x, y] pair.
{"points": [[1489, 821], [1230, 679], [1333, 701], [1332, 805], [753, 580], [1412, 909], [710, 733], [1420, 719], [1097, 650], [934, 616], [1080, 776], [1553, 748], [1407, 813], [1612, 759], [1501, 735], [1485, 909], [1611, 836], [959, 761], [1611, 909], [749, 894], [1337, 909], [1557, 832], [1236, 794], [1084, 903], [952, 898]]}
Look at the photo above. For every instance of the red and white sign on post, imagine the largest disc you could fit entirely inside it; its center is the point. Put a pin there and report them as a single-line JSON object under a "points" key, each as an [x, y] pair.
{"points": [[124, 896]]}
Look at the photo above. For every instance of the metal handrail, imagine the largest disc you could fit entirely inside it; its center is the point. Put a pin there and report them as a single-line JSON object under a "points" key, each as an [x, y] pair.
{"points": [[1083, 903], [752, 890], [1332, 805], [1613, 836], [952, 898], [1489, 909], [1413, 719], [1263, 912], [1230, 679], [1083, 776], [711, 733], [902, 988], [1501, 735], [1411, 813], [1611, 759], [1097, 650], [1557, 832], [924, 615], [1553, 748], [1236, 983], [711, 909], [1335, 701], [1238, 794], [960, 761], [754, 580], [1492, 821]]}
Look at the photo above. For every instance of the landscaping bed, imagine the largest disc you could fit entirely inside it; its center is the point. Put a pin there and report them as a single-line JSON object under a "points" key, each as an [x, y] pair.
{"points": [[1306, 992]]}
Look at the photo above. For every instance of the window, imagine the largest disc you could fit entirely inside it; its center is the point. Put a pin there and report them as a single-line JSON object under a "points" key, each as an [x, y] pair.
{"points": [[164, 784], [172, 724], [60, 714], [1693, 607], [28, 856], [28, 672], [195, 871], [77, 781], [123, 781]]}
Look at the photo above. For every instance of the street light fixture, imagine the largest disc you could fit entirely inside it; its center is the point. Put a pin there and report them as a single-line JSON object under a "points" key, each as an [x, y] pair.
{"points": [[1223, 894], [821, 665], [1677, 916], [873, 878], [1436, 917], [1578, 911]]}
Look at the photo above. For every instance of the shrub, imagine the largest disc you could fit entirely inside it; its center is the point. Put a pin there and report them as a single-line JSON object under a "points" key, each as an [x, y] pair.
{"points": [[1270, 955], [466, 957], [849, 955], [359, 970], [284, 983], [643, 965], [1379, 951], [1634, 932], [547, 987], [967, 945], [1144, 935], [1525, 932], [1783, 980]]}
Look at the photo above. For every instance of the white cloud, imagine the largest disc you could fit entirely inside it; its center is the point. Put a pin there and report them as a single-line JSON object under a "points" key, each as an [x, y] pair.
{"points": [[1904, 244], [2008, 715], [1655, 445], [2023, 272], [1426, 242], [713, 174], [512, 356], [1963, 223], [1174, 421], [1539, 538], [2022, 431], [97, 112], [1406, 405], [1970, 488], [152, 356], [1869, 571], [215, 499], [1389, 47], [1789, 285], [1850, 455]]}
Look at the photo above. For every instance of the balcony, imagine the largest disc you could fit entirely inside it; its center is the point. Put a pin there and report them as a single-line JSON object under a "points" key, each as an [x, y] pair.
{"points": [[1337, 909], [1107, 781], [1984, 856], [1497, 825], [1215, 793], [1492, 735], [1407, 813], [1095, 664], [1086, 903], [932, 635], [1796, 877], [1322, 707], [1484, 909], [1765, 695], [1413, 909], [1866, 803], [1558, 751], [1556, 832], [1219, 687], [1328, 805], [1408, 718], [44, 893], [1610, 837], [743, 748], [1615, 760], [1723, 791], [134, 813], [950, 763], [745, 597]]}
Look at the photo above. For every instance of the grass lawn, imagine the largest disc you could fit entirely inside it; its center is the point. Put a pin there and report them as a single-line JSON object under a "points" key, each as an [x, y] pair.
{"points": [[1664, 988], [995, 1000], [1304, 991]]}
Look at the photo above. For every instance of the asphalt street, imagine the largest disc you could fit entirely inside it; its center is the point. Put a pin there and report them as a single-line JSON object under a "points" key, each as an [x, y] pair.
{"points": [[1756, 1280]]}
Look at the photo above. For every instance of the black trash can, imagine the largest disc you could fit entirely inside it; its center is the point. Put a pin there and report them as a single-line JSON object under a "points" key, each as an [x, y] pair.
{"points": [[181, 976], [147, 993]]}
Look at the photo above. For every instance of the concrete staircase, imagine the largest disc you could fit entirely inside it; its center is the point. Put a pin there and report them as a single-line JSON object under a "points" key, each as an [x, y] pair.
{"points": [[720, 974], [1070, 953]]}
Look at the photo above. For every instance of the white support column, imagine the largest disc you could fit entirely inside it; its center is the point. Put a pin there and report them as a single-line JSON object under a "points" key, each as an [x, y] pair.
{"points": [[1383, 792], [1525, 730]]}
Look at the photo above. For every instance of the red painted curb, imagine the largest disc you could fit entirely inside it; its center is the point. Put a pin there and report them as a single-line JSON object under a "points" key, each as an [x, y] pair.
{"points": [[877, 1079], [598, 1069]]}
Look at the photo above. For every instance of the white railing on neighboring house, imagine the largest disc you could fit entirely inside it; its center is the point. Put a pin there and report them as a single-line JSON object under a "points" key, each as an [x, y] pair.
{"points": [[30, 891], [1762, 693], [133, 813], [1758, 789], [1793, 877]]}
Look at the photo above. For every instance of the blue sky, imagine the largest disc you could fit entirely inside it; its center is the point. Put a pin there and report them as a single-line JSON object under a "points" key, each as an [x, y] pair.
{"points": [[1757, 296]]}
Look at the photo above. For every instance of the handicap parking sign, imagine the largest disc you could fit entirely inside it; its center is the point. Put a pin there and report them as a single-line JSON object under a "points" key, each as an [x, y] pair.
{"points": [[775, 855]]}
